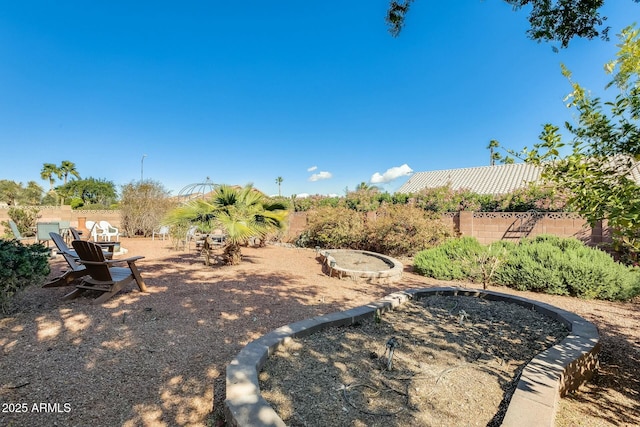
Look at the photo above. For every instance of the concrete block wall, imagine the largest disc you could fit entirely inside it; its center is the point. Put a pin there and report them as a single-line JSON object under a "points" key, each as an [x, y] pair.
{"points": [[65, 213], [487, 227]]}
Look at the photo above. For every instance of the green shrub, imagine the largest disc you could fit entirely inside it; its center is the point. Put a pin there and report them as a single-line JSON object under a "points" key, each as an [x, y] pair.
{"points": [[533, 266], [76, 203], [551, 264], [22, 265], [591, 273], [402, 230], [565, 266], [450, 260], [338, 228]]}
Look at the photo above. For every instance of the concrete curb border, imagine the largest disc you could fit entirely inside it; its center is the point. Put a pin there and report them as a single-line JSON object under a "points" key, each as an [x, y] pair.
{"points": [[550, 375]]}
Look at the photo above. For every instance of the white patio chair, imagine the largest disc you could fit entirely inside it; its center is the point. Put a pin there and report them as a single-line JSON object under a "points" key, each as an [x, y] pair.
{"points": [[163, 232], [109, 231]]}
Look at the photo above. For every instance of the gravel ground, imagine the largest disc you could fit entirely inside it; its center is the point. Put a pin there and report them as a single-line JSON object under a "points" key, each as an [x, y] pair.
{"points": [[159, 358]]}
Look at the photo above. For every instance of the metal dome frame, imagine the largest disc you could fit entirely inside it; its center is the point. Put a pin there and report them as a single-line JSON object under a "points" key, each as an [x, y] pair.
{"points": [[197, 190]]}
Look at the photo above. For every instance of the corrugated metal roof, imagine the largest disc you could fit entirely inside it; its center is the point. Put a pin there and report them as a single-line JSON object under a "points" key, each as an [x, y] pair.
{"points": [[496, 179]]}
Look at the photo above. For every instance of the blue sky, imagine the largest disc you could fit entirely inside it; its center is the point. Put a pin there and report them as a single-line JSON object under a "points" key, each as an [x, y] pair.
{"points": [[316, 92]]}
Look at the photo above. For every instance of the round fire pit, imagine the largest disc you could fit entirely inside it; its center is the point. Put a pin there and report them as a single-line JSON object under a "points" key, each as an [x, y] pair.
{"points": [[364, 266]]}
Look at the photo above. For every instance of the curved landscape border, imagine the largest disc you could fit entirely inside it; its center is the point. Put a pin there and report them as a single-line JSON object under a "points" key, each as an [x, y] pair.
{"points": [[549, 376], [387, 276]]}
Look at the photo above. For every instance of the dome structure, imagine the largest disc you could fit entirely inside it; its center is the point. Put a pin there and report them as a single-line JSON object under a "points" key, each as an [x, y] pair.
{"points": [[198, 190]]}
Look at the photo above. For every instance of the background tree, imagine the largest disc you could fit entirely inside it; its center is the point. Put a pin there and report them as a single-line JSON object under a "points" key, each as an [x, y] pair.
{"points": [[242, 213], [9, 191], [13, 193], [67, 168], [92, 191], [31, 194], [279, 182], [494, 155], [143, 205], [550, 20], [601, 170], [49, 172]]}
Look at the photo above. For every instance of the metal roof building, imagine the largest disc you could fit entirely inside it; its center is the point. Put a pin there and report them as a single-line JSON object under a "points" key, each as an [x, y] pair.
{"points": [[496, 179]]}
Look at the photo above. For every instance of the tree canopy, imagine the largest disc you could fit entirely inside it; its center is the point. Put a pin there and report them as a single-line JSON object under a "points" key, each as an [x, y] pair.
{"points": [[92, 191], [14, 193], [602, 170], [550, 20]]}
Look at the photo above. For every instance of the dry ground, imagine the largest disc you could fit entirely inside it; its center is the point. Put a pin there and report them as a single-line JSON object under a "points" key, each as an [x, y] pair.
{"points": [[456, 362], [158, 359]]}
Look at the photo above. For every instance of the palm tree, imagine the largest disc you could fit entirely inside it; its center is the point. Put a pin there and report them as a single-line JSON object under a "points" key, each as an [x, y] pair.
{"points": [[493, 156], [366, 188], [67, 168], [279, 182], [242, 212], [48, 171]]}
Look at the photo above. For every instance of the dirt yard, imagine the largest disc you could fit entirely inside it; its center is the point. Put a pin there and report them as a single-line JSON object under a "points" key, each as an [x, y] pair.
{"points": [[158, 359]]}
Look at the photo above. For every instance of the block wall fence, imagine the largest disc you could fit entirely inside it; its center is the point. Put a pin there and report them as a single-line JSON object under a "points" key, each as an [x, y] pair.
{"points": [[487, 227], [65, 213]]}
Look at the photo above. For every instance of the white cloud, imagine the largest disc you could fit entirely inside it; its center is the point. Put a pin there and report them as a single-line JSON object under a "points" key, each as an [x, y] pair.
{"points": [[312, 168], [391, 174], [302, 195], [320, 176]]}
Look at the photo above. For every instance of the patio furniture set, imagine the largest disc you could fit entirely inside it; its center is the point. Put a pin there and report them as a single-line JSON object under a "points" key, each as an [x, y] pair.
{"points": [[90, 264]]}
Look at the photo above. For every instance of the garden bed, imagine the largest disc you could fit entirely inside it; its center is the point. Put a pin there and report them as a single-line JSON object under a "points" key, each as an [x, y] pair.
{"points": [[456, 361]]}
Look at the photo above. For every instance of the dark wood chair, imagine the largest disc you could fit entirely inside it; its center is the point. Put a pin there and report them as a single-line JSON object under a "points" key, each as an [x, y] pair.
{"points": [[76, 269], [75, 233], [101, 276]]}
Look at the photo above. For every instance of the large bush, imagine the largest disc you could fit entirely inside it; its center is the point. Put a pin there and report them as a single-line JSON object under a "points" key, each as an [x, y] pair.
{"points": [[339, 228], [565, 266], [396, 230], [22, 265], [555, 265], [143, 207], [400, 230], [534, 266]]}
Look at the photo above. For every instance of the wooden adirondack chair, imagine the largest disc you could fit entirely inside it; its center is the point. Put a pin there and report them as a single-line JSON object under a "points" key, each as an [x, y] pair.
{"points": [[100, 275], [75, 233], [76, 269]]}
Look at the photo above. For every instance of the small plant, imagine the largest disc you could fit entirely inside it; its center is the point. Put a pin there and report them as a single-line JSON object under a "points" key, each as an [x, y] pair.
{"points": [[22, 265], [25, 219], [178, 234], [484, 265]]}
